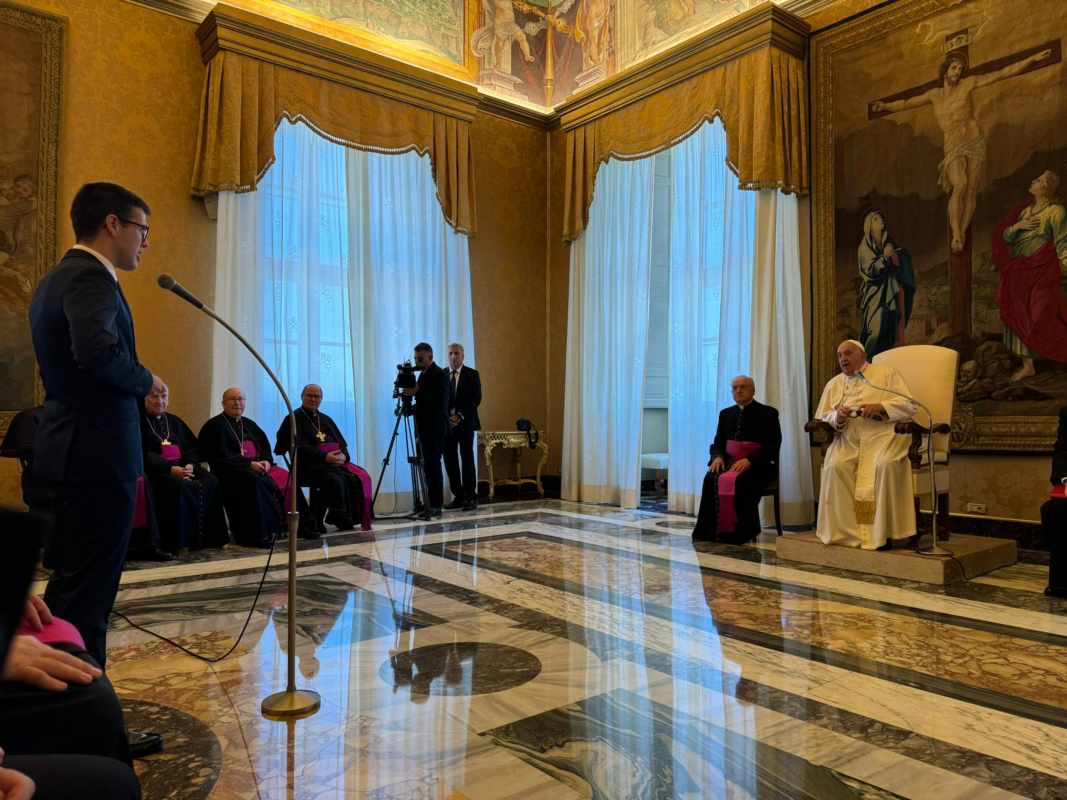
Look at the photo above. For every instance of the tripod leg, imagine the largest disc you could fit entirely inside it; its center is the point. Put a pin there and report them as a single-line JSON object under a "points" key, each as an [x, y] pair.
{"points": [[388, 455]]}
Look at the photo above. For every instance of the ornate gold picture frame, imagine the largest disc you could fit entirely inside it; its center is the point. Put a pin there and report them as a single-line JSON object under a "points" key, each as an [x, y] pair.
{"points": [[902, 135], [32, 53]]}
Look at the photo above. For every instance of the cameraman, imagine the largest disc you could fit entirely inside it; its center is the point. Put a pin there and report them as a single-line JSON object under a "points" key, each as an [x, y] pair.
{"points": [[431, 423]]}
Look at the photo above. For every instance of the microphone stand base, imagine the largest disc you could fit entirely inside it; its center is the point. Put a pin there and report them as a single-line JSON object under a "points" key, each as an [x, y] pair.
{"points": [[291, 704]]}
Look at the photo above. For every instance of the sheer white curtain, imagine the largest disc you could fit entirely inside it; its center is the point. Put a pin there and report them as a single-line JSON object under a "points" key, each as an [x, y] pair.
{"points": [[410, 273], [779, 366], [607, 329], [713, 228], [281, 279], [335, 267]]}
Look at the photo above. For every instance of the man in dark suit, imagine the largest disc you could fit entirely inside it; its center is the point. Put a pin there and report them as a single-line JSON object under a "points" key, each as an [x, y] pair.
{"points": [[431, 424], [744, 460], [464, 397], [1054, 514], [88, 442]]}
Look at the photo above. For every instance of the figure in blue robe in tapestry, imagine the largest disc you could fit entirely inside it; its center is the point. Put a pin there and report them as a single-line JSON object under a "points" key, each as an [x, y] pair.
{"points": [[888, 290]]}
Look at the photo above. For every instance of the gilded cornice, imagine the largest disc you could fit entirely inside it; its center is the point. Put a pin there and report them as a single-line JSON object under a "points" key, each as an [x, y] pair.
{"points": [[235, 30], [766, 25], [194, 10]]}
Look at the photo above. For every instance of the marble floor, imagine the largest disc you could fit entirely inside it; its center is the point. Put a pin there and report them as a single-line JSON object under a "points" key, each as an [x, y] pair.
{"points": [[558, 650]]}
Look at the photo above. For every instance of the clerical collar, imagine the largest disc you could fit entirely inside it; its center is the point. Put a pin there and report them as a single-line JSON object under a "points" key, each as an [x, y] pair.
{"points": [[102, 259]]}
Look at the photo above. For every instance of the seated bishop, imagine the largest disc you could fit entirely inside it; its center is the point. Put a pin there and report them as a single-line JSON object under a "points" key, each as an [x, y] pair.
{"points": [[341, 492], [866, 496], [744, 461], [188, 501], [253, 486]]}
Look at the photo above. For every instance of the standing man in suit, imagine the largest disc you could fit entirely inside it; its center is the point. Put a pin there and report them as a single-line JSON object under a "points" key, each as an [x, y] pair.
{"points": [[88, 442], [431, 424], [464, 397], [744, 460]]}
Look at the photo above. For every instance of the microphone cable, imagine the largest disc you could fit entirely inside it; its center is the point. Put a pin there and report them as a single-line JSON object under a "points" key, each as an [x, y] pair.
{"points": [[248, 617]]}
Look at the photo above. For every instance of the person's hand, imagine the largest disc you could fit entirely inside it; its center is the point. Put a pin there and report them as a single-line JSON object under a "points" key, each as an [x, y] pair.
{"points": [[178, 472], [258, 467], [873, 411], [844, 413], [454, 420], [889, 251], [1031, 223], [37, 614], [740, 465], [716, 465], [36, 664], [14, 785], [336, 457]]}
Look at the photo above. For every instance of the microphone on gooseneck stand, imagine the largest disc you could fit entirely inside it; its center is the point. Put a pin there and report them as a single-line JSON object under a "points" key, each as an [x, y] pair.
{"points": [[935, 548], [292, 703]]}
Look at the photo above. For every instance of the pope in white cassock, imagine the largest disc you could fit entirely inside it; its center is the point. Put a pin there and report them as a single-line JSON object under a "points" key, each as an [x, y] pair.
{"points": [[866, 496]]}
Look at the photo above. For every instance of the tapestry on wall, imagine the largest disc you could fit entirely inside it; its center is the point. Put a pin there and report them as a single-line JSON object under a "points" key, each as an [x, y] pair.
{"points": [[29, 141], [938, 214]]}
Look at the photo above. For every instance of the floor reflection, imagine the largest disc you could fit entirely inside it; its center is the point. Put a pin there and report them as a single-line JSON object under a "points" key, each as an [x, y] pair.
{"points": [[568, 651]]}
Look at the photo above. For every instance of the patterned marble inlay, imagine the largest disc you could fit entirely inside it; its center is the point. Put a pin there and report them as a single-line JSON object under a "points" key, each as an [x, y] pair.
{"points": [[461, 668]]}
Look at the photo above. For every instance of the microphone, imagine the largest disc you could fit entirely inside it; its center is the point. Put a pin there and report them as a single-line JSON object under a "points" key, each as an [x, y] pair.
{"points": [[167, 282]]}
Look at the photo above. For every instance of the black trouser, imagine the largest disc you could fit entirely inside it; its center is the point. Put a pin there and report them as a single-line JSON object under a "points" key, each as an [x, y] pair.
{"points": [[1054, 522], [459, 445], [92, 535], [66, 776], [435, 484], [80, 719]]}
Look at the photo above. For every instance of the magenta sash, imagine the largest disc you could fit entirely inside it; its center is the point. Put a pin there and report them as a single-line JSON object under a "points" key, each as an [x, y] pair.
{"points": [[171, 452], [248, 449], [364, 479], [140, 511], [727, 485]]}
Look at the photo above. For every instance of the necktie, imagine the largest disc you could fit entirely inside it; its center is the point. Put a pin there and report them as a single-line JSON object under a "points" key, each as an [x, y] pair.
{"points": [[455, 384]]}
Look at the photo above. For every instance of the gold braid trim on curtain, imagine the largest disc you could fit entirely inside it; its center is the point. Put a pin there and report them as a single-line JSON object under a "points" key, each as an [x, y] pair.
{"points": [[760, 97], [246, 98]]}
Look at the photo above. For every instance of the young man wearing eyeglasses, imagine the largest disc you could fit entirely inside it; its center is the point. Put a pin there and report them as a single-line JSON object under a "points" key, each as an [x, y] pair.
{"points": [[89, 437]]}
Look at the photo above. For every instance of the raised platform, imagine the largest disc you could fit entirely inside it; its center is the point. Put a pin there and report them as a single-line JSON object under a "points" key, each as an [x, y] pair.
{"points": [[976, 554]]}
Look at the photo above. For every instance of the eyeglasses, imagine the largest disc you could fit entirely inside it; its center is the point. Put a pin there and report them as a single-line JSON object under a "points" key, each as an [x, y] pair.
{"points": [[144, 228]]}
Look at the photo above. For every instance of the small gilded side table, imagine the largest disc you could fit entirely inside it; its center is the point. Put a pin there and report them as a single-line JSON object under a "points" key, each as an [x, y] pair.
{"points": [[515, 441]]}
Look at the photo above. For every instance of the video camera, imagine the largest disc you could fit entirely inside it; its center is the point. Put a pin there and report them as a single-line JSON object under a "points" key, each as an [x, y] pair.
{"points": [[405, 379]]}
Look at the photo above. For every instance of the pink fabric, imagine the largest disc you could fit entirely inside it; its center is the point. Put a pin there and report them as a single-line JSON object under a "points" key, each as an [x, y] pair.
{"points": [[171, 452], [58, 631], [280, 476], [727, 484], [140, 511], [1058, 493], [364, 479], [248, 449]]}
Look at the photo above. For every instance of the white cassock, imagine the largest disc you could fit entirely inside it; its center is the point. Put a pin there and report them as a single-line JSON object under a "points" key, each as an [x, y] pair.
{"points": [[866, 496]]}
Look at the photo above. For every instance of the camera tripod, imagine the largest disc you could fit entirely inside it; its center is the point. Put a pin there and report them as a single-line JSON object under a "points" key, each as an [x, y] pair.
{"points": [[403, 412]]}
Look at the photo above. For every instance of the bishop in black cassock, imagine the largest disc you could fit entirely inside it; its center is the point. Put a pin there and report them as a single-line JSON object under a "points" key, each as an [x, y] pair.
{"points": [[744, 461], [240, 457], [187, 498], [340, 491]]}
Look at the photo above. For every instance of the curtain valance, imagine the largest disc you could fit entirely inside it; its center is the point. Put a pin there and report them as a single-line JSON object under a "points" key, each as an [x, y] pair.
{"points": [[247, 95], [757, 90]]}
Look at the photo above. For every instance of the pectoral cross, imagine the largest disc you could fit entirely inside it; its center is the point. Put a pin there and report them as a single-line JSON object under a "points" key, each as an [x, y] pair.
{"points": [[320, 436], [965, 178], [165, 441]]}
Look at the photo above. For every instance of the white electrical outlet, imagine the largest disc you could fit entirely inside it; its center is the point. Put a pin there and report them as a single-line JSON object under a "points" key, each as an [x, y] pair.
{"points": [[976, 508]]}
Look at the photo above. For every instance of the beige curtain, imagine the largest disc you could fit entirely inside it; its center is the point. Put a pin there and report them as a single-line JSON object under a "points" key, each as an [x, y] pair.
{"points": [[245, 98], [760, 97]]}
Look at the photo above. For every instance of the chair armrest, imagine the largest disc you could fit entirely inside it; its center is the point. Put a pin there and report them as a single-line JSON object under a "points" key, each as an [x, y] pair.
{"points": [[820, 433], [917, 431]]}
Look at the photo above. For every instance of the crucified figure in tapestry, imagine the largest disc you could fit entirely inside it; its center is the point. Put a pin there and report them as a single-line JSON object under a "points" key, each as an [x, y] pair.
{"points": [[952, 99]]}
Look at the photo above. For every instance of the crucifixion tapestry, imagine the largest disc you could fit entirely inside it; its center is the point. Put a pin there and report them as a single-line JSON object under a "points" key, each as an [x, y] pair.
{"points": [[938, 205]]}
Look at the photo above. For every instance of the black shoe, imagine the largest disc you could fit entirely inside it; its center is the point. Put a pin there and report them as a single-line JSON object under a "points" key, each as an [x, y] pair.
{"points": [[150, 554], [886, 546], [455, 505], [430, 513], [470, 505], [339, 520], [144, 743]]}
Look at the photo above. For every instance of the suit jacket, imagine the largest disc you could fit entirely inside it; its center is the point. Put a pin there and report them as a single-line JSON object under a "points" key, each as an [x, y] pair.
{"points": [[467, 398], [1059, 452], [431, 405], [758, 423], [90, 426]]}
